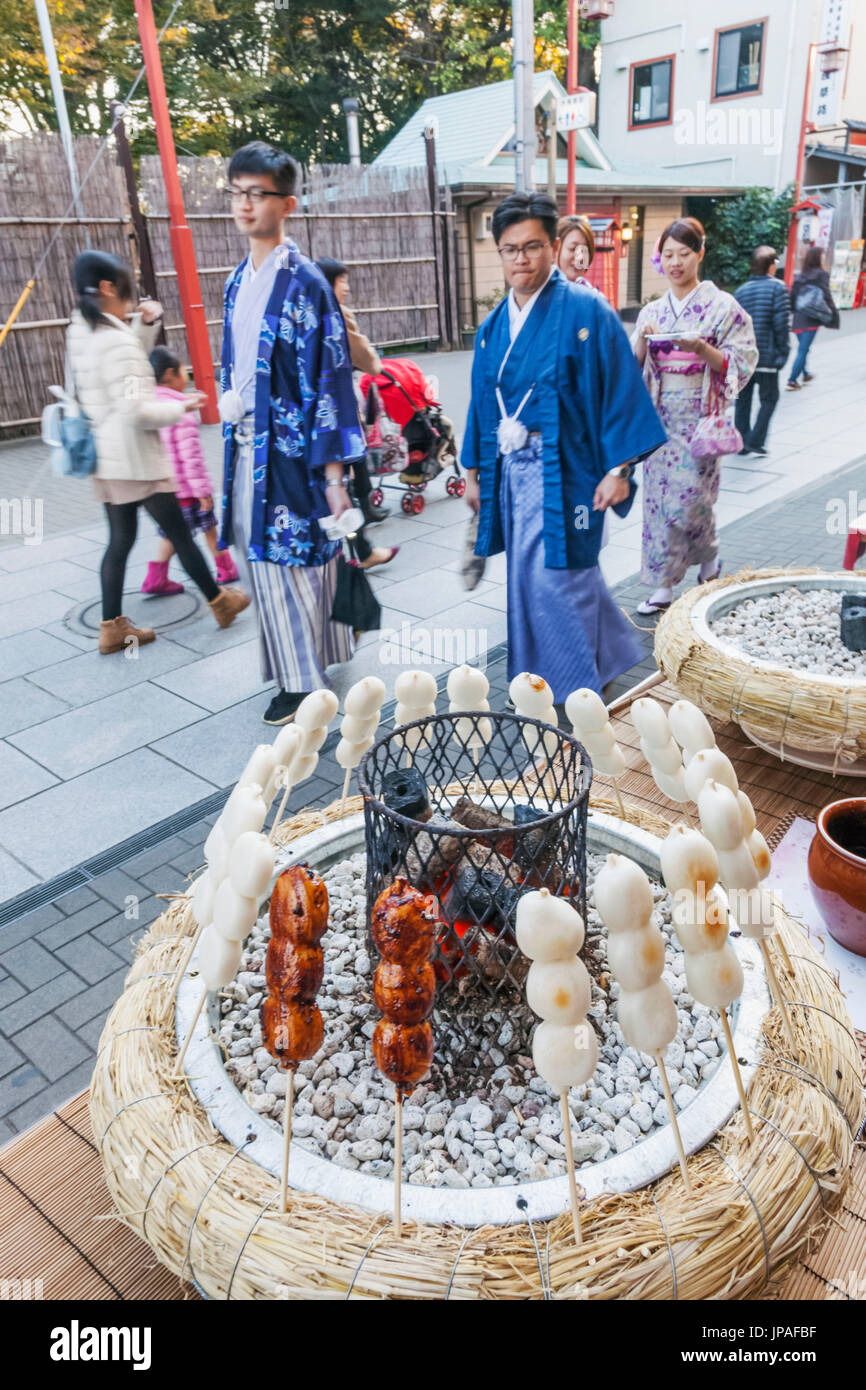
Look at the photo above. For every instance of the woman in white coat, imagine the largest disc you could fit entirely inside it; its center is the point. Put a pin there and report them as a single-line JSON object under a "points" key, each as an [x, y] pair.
{"points": [[114, 384]]}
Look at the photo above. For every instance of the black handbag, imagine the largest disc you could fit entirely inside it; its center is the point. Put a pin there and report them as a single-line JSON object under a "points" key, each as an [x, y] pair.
{"points": [[355, 604]]}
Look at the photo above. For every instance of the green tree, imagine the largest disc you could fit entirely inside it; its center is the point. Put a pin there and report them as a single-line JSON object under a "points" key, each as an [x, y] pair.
{"points": [[735, 226], [247, 69]]}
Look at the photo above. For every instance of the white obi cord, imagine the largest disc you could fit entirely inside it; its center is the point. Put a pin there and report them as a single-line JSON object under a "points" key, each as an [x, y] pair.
{"points": [[231, 405], [511, 433]]}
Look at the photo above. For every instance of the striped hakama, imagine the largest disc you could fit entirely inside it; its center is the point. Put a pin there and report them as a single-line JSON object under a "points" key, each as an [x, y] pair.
{"points": [[297, 637], [562, 623]]}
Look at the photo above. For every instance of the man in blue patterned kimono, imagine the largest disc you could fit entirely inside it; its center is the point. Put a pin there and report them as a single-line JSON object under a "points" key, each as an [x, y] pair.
{"points": [[291, 429], [558, 417]]}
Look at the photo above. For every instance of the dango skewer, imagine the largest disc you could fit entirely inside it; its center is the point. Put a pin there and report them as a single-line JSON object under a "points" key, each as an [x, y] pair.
{"points": [[363, 705], [591, 724]]}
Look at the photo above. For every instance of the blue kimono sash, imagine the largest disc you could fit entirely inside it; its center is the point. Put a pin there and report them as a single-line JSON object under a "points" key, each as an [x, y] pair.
{"points": [[299, 424], [588, 403]]}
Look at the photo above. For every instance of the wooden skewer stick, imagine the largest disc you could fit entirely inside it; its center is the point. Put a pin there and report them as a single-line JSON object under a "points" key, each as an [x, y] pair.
{"points": [[688, 818], [776, 992], [398, 1164], [345, 789], [619, 801], [569, 1158], [678, 1140], [629, 696], [184, 966], [287, 1138], [783, 952], [279, 816], [738, 1077], [178, 1070]]}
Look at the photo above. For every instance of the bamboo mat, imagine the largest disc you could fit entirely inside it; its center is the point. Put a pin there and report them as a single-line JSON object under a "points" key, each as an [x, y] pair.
{"points": [[58, 1220], [59, 1224]]}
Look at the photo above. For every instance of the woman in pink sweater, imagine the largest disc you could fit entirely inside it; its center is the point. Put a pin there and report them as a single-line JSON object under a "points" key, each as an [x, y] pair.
{"points": [[194, 491]]}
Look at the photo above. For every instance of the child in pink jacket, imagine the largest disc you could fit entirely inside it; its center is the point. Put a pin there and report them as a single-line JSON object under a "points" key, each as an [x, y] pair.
{"points": [[194, 491]]}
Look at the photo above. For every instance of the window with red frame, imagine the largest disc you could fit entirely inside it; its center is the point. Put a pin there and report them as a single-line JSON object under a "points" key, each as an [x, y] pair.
{"points": [[739, 60], [651, 92]]}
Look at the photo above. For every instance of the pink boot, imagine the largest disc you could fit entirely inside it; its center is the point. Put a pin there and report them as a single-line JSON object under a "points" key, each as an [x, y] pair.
{"points": [[156, 581], [226, 569]]}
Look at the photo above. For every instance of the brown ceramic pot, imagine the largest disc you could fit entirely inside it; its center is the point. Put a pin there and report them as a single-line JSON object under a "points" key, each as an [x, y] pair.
{"points": [[837, 871]]}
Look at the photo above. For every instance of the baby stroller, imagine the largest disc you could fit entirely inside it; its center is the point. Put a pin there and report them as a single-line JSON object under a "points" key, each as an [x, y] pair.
{"points": [[407, 433]]}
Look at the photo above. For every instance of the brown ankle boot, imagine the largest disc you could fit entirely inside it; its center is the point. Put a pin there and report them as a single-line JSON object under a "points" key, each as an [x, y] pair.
{"points": [[227, 604], [117, 634]]}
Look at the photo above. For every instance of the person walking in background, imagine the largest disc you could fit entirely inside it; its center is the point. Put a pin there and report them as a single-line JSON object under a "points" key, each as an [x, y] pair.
{"points": [[365, 358], [115, 387], [766, 301], [697, 349], [813, 308], [558, 417], [576, 248], [291, 428], [182, 443]]}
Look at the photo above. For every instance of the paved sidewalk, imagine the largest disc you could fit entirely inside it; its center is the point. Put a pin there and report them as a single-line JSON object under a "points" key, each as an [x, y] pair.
{"points": [[94, 751], [63, 965]]}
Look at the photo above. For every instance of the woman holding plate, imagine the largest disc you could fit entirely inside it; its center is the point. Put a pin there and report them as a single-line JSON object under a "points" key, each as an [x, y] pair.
{"points": [[697, 349]]}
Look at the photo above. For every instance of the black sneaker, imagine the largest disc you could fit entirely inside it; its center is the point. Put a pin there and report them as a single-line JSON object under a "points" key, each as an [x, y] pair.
{"points": [[744, 453], [762, 453], [283, 707]]}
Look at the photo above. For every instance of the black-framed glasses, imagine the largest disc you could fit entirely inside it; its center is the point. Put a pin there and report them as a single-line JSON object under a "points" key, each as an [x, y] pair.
{"points": [[530, 250], [255, 195]]}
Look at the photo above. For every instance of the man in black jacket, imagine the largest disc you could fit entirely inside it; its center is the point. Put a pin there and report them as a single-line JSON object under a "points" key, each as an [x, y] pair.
{"points": [[766, 300]]}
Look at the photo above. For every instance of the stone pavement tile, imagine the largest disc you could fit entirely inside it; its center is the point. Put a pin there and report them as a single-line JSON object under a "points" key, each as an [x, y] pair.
{"points": [[23, 928], [70, 928], [74, 639], [116, 886], [20, 776], [19, 1086], [10, 990], [23, 704], [420, 558], [96, 734], [58, 548], [53, 1097], [75, 900], [98, 999], [218, 747], [37, 579], [99, 809], [142, 865], [89, 677], [217, 681], [39, 1002], [118, 927], [85, 584], [29, 651], [36, 611], [200, 635], [51, 1047], [126, 947], [30, 964], [10, 1057], [88, 958], [90, 1034]]}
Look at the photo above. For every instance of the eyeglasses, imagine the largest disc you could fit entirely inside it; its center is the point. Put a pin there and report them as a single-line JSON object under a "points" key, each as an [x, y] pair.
{"points": [[255, 195], [530, 250]]}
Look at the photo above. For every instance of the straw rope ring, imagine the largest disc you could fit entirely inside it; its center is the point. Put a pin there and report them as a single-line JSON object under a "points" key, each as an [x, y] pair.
{"points": [[245, 1248], [787, 706]]}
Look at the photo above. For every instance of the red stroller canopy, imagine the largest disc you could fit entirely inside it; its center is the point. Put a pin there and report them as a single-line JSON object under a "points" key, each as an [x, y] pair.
{"points": [[409, 376]]}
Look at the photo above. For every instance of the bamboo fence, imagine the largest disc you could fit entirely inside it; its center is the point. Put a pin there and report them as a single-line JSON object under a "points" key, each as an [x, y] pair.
{"points": [[401, 256], [35, 192], [210, 1214]]}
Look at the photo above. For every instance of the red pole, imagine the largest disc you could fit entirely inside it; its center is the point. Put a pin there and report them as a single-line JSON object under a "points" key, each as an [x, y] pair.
{"points": [[791, 253], [571, 84], [183, 251]]}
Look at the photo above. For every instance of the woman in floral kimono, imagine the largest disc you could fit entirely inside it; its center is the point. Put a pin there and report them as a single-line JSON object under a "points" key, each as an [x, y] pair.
{"points": [[696, 371]]}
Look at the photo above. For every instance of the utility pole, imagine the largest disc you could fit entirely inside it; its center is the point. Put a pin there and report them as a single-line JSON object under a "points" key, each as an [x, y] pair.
{"points": [[59, 99], [571, 84], [523, 60], [182, 248]]}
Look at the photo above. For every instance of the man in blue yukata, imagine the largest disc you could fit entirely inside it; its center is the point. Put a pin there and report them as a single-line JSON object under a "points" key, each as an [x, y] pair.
{"points": [[559, 416], [291, 429]]}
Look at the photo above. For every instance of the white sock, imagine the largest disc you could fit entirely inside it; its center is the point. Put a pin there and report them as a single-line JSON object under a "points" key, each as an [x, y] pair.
{"points": [[662, 595], [708, 569]]}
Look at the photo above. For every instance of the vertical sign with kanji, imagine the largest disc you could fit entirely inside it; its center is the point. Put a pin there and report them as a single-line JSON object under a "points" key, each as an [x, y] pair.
{"points": [[827, 90]]}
